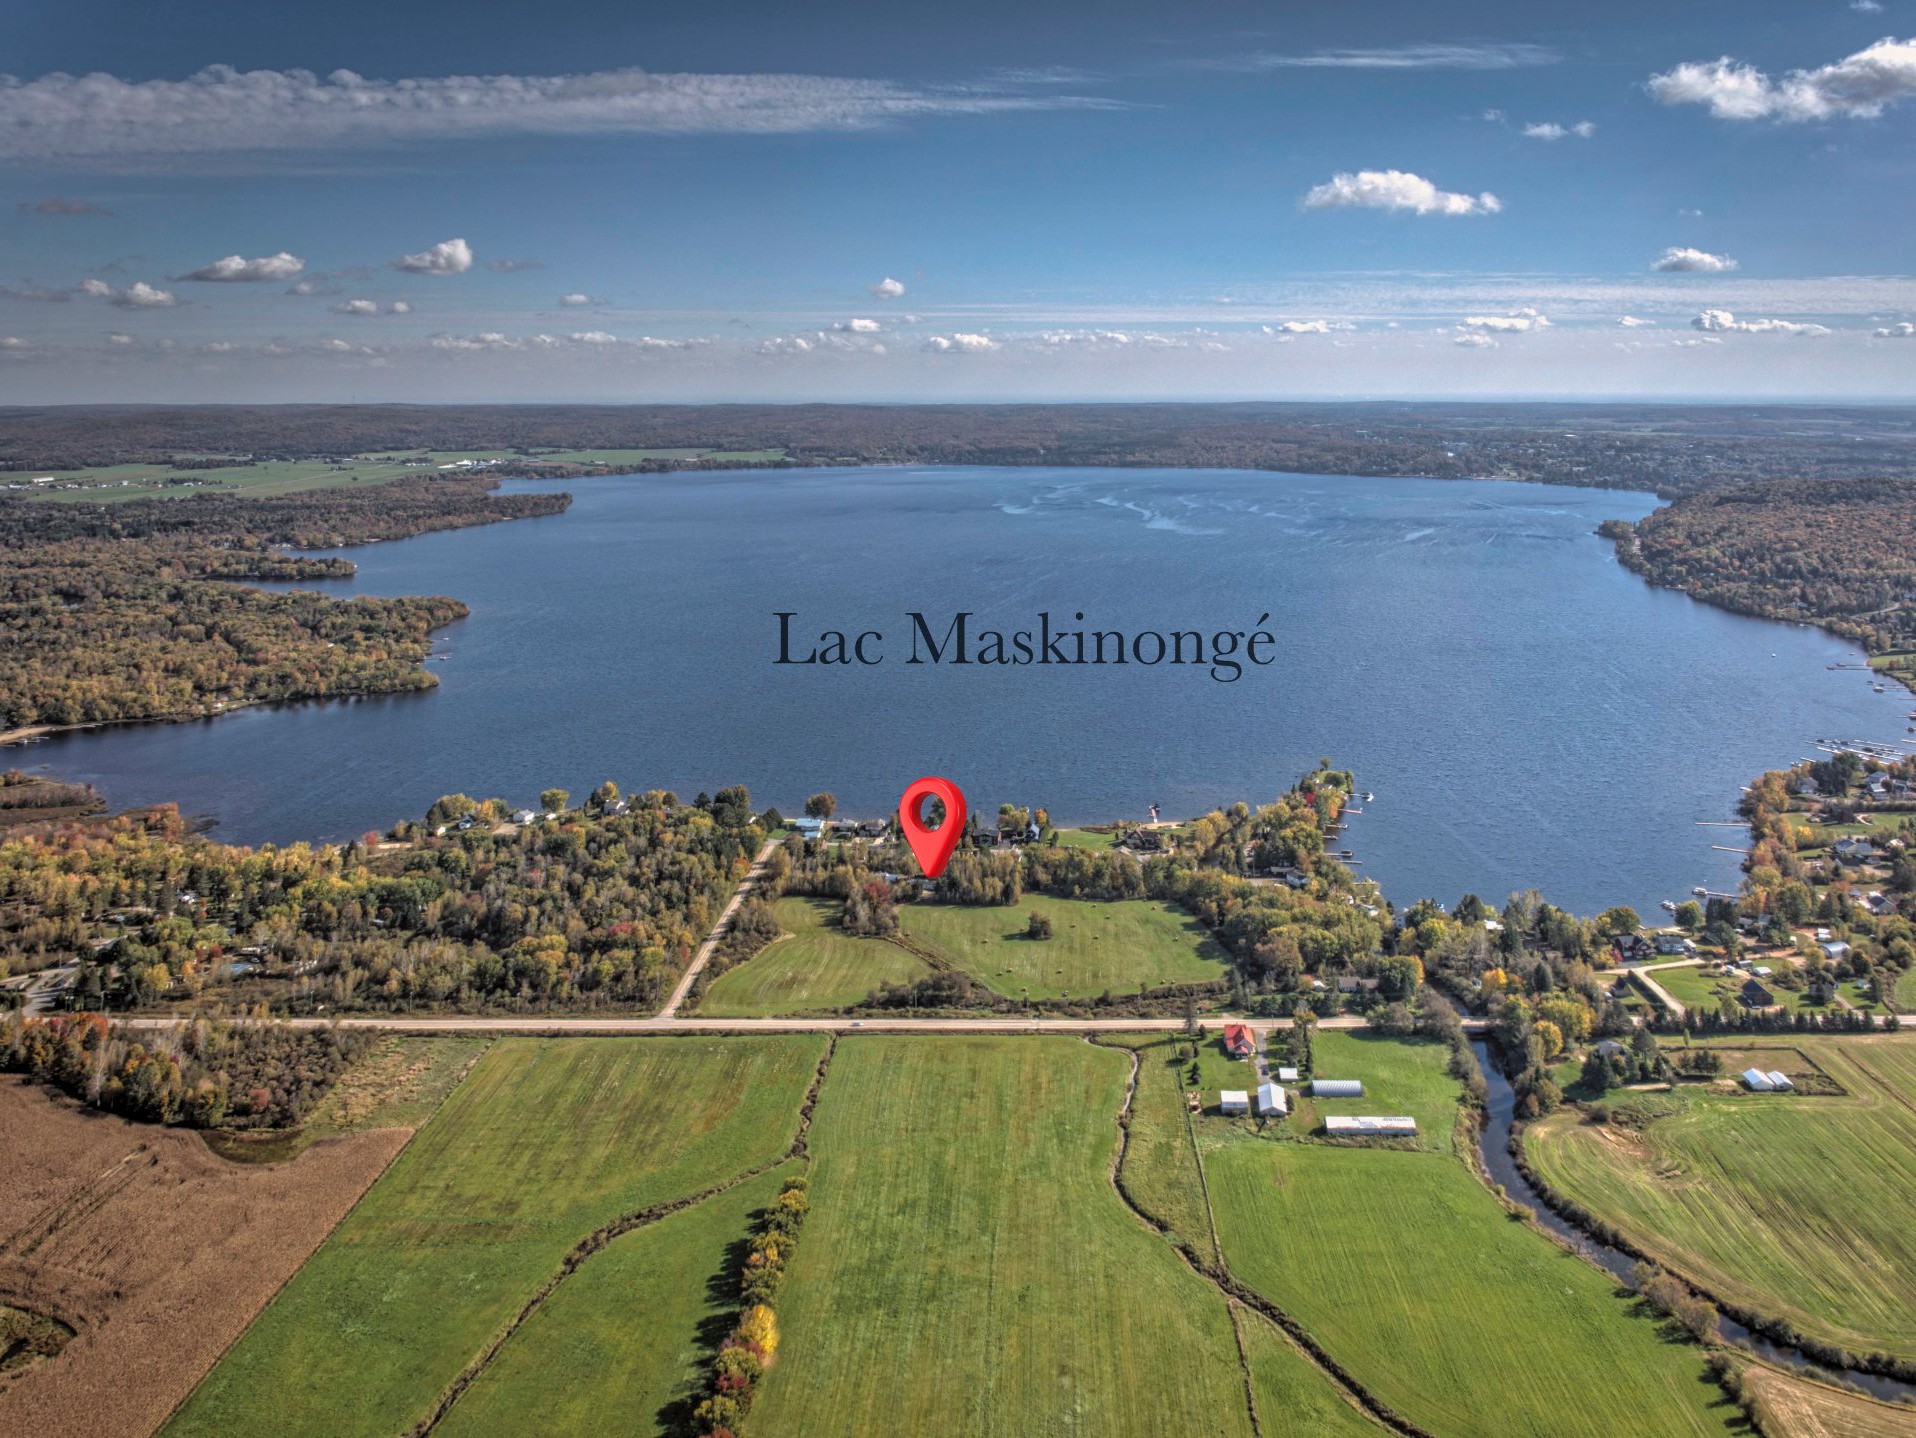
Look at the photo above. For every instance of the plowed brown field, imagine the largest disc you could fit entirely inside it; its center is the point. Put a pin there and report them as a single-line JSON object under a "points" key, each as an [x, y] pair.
{"points": [[153, 1249]]}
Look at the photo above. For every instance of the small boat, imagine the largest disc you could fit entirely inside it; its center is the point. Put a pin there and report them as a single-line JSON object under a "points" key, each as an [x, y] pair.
{"points": [[1669, 905], [1370, 798], [1700, 891]]}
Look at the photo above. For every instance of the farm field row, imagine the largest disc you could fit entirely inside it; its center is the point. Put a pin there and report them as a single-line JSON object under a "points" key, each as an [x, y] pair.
{"points": [[1795, 1206]]}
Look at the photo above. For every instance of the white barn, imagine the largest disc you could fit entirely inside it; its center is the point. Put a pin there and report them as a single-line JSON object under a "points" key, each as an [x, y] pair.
{"points": [[1234, 1100], [1780, 1080], [1758, 1081], [1372, 1126], [1271, 1102]]}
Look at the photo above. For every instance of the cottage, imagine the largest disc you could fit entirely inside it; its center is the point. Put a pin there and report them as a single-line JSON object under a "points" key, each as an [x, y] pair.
{"points": [[1879, 904], [810, 828], [523, 816], [1350, 984], [1807, 787], [873, 828], [1287, 1075], [1853, 850], [1337, 1088], [1757, 1081], [1234, 1101], [1611, 1049], [1879, 785], [1633, 949], [1271, 1102], [1674, 944], [1754, 996], [1372, 1126], [1239, 1041]]}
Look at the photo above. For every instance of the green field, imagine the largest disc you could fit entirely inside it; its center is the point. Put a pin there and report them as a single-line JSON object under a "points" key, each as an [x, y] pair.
{"points": [[1791, 1205], [1160, 1165], [1399, 1078], [1094, 946], [816, 967], [1463, 1319], [618, 1349], [968, 1268], [1295, 1399], [1695, 988], [1086, 839], [545, 1141]]}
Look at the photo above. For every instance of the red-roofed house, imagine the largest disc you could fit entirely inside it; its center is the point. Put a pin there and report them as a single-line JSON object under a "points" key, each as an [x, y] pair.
{"points": [[1239, 1041]]}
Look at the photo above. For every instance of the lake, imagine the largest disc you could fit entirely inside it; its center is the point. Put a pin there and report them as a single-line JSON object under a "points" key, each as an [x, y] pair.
{"points": [[1527, 712]]}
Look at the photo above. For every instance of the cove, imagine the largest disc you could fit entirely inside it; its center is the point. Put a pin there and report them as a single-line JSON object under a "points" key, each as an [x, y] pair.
{"points": [[1526, 711]]}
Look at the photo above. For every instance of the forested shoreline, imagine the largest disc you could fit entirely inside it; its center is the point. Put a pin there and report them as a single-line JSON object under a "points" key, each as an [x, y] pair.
{"points": [[140, 611]]}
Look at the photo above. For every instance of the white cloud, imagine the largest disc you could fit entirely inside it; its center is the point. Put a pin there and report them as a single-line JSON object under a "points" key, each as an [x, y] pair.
{"points": [[356, 307], [236, 270], [1723, 322], [1476, 341], [399, 307], [121, 340], [1901, 331], [14, 342], [1307, 327], [137, 296], [960, 344], [222, 111], [1631, 322], [861, 327], [577, 300], [1865, 7], [1396, 190], [1858, 86], [593, 337], [887, 289], [448, 257], [1551, 130], [1516, 322], [95, 289], [1402, 57], [1682, 260]]}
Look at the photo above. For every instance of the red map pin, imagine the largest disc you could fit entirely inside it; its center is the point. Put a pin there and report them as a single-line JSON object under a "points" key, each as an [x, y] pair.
{"points": [[932, 847]]}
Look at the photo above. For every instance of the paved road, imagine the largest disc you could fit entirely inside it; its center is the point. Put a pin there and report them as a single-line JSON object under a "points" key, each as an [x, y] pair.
{"points": [[706, 949], [670, 1024]]}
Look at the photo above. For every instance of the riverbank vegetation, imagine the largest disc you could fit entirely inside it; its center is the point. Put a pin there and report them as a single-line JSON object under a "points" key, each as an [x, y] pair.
{"points": [[140, 610]]}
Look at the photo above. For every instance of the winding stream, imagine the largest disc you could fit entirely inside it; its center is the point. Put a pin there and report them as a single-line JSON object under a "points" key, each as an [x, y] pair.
{"points": [[1500, 1112]]}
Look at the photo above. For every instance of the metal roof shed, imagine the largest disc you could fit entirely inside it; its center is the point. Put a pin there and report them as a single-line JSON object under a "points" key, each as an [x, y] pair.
{"points": [[1271, 1102], [1758, 1081], [1234, 1100], [1779, 1079], [1337, 1088]]}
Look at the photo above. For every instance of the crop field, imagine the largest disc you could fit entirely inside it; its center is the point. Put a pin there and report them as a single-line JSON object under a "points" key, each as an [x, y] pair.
{"points": [[1791, 1205], [118, 1229], [544, 1142], [817, 967], [616, 1351], [1408, 1271], [1795, 1408], [968, 1268], [1094, 946], [1160, 1166]]}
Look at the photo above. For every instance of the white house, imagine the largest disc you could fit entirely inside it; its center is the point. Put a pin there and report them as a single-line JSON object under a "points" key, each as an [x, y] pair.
{"points": [[1233, 1100]]}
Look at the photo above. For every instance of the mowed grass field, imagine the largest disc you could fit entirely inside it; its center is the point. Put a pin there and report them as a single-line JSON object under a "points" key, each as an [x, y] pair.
{"points": [[1794, 1206], [545, 1141], [968, 1268], [619, 1347], [1463, 1319], [1094, 946], [817, 967], [1398, 1078]]}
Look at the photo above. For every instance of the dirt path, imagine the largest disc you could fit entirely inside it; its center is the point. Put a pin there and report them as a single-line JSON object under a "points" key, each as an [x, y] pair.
{"points": [[710, 946]]}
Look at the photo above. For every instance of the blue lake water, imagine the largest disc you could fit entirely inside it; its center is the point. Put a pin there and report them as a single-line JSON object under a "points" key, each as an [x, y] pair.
{"points": [[1527, 712]]}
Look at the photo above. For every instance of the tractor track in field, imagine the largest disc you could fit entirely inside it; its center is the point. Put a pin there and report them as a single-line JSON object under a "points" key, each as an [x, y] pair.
{"points": [[1235, 1292], [600, 1237]]}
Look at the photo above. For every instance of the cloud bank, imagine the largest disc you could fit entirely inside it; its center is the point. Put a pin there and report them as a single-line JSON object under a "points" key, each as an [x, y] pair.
{"points": [[1857, 87], [236, 270], [1396, 190], [1723, 322]]}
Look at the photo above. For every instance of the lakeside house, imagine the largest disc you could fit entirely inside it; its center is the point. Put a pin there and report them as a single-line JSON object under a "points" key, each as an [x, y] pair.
{"points": [[1337, 1088], [1674, 944], [1372, 1126], [1853, 850], [1234, 1101], [1239, 1041], [810, 828], [1271, 1102], [1633, 949]]}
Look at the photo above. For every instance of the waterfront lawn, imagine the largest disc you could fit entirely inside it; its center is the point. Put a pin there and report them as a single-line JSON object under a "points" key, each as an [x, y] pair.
{"points": [[1094, 946], [1086, 839], [969, 1270], [1793, 1206], [619, 1347], [544, 1142], [1463, 1319], [1695, 987], [815, 967]]}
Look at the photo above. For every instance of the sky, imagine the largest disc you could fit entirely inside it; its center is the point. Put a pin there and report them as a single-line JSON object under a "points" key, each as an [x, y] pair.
{"points": [[850, 201]]}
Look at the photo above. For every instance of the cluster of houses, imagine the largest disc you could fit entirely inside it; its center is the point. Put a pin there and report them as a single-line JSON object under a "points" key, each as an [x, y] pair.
{"points": [[1641, 948], [1271, 1100], [811, 828]]}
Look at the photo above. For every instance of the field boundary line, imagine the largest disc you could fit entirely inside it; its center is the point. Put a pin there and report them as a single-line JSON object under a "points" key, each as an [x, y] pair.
{"points": [[596, 1242], [1232, 1288], [273, 1297]]}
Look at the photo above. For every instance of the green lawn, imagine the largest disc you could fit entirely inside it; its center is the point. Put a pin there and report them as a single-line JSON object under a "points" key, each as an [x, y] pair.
{"points": [[1463, 1319], [545, 1141], [618, 1349], [1398, 1078], [1086, 839], [1094, 946], [968, 1269], [1696, 988], [1906, 991], [817, 967], [1795, 1206]]}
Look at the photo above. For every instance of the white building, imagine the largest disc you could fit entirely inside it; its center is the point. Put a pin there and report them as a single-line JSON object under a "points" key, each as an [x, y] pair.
{"points": [[1372, 1126], [1234, 1101], [1287, 1075], [1757, 1081], [1271, 1102], [1337, 1088]]}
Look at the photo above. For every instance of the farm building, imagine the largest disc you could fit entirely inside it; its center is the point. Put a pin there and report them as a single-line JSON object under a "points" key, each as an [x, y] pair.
{"points": [[1287, 1075], [1780, 1080], [1337, 1088], [1271, 1102], [1372, 1126], [1233, 1100], [1836, 951], [1239, 1041], [1757, 1081]]}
